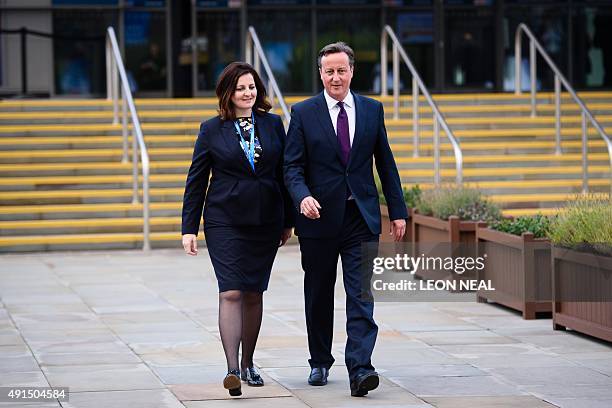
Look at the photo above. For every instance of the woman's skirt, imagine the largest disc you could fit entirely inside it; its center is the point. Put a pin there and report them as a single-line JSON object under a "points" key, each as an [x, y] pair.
{"points": [[242, 257]]}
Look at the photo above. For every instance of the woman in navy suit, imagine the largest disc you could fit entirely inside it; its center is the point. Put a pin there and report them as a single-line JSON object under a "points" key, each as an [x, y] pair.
{"points": [[247, 210]]}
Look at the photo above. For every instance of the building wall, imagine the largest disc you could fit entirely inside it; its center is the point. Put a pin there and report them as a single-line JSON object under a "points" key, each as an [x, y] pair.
{"points": [[39, 49]]}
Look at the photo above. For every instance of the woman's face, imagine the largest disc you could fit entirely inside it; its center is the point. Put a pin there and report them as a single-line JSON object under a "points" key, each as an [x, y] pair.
{"points": [[245, 93]]}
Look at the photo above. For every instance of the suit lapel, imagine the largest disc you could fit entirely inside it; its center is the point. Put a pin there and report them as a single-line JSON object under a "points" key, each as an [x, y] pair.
{"points": [[229, 137], [322, 113], [360, 122]]}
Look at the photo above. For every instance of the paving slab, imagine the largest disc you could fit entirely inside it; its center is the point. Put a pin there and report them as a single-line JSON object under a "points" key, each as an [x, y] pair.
{"points": [[521, 401]]}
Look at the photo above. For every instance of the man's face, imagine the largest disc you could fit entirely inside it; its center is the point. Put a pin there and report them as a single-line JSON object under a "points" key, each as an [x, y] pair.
{"points": [[336, 74]]}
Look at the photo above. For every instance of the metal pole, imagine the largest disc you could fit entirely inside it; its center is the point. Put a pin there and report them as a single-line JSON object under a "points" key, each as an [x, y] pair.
{"points": [[109, 72], [532, 64], [124, 125], [248, 52], [134, 166], [415, 117], [585, 169], [383, 64], [436, 126], [115, 79], [146, 228], [517, 64], [557, 115], [24, 60], [256, 62], [395, 82], [271, 92]]}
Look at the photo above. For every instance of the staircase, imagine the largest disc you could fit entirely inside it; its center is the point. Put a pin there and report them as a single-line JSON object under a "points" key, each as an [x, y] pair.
{"points": [[63, 186], [508, 154]]}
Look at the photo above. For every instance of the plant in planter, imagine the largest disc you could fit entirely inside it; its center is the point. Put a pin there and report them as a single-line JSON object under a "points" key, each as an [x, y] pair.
{"points": [[517, 263], [582, 267], [411, 196], [449, 216]]}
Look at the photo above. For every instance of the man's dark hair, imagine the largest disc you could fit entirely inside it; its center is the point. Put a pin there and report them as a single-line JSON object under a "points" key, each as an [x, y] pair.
{"points": [[336, 48], [226, 86]]}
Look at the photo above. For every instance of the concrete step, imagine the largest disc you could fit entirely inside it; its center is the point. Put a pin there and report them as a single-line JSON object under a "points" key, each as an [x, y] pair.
{"points": [[72, 211], [128, 240]]}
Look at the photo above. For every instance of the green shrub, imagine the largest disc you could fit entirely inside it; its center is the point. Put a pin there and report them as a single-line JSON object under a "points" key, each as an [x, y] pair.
{"points": [[467, 203], [411, 195], [538, 225], [584, 225]]}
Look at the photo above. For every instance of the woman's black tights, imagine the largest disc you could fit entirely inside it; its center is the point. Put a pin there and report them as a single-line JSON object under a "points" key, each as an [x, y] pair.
{"points": [[240, 315]]}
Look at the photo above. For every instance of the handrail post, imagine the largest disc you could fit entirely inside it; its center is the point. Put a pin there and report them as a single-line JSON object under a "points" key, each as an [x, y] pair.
{"points": [[395, 82], [117, 73], [383, 64], [271, 92], [438, 121], [557, 115], [517, 62], [146, 227], [256, 62], [124, 126], [415, 118], [115, 80], [23, 34], [585, 168], [248, 52], [436, 132], [532, 67], [255, 50], [109, 81]]}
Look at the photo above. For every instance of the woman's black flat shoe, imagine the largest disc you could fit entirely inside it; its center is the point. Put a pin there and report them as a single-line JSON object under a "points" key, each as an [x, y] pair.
{"points": [[231, 382], [252, 377]]}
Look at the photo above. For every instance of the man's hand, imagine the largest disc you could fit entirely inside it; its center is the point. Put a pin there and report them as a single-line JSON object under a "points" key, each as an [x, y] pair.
{"points": [[190, 243], [310, 208], [285, 236], [397, 229]]}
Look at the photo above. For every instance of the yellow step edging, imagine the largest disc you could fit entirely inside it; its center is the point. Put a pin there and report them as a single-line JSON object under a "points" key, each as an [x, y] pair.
{"points": [[88, 238], [88, 222]]}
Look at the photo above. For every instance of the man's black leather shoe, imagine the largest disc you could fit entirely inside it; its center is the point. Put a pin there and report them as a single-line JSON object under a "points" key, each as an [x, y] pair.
{"points": [[318, 376], [364, 383]]}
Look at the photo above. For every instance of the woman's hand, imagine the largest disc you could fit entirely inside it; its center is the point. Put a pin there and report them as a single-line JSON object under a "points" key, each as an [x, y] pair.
{"points": [[190, 243], [285, 236]]}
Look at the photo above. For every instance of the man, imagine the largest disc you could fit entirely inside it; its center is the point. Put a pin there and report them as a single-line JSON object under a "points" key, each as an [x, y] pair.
{"points": [[331, 142]]}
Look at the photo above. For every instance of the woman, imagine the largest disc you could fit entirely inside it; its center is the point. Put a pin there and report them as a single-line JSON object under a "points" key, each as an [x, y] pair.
{"points": [[247, 211]]}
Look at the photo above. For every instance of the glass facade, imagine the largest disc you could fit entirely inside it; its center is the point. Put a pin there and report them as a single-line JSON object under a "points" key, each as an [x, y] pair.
{"points": [[78, 49], [456, 45]]}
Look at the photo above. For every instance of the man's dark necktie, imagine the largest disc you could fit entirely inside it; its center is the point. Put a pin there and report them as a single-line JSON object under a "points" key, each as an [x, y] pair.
{"points": [[342, 128]]}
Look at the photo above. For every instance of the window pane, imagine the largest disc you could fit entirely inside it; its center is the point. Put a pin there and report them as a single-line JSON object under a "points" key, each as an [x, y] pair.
{"points": [[218, 44], [592, 51], [549, 26], [80, 61], [361, 30], [416, 33], [470, 48], [285, 37], [145, 50]]}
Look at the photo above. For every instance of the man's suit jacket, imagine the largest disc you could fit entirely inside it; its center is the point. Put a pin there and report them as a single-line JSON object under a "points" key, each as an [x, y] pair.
{"points": [[237, 195], [313, 166]]}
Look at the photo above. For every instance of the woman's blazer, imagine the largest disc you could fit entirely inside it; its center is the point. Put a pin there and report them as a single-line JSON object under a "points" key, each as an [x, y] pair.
{"points": [[237, 195]]}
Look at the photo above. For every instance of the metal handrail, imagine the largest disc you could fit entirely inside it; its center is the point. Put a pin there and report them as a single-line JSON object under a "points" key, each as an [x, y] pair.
{"points": [[417, 83], [534, 45], [256, 59], [115, 71]]}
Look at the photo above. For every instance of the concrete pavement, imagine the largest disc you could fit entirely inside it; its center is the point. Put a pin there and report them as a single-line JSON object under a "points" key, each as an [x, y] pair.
{"points": [[133, 329]]}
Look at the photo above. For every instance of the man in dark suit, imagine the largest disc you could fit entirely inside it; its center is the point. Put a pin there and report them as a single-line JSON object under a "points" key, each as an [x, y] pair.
{"points": [[331, 143]]}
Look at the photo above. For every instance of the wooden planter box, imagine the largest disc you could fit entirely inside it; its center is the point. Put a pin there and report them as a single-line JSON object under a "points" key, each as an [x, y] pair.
{"points": [[575, 274], [429, 230], [519, 269], [385, 221]]}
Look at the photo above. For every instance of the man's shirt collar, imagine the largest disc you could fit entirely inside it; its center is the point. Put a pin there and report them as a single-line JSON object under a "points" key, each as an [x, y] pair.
{"points": [[331, 102]]}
